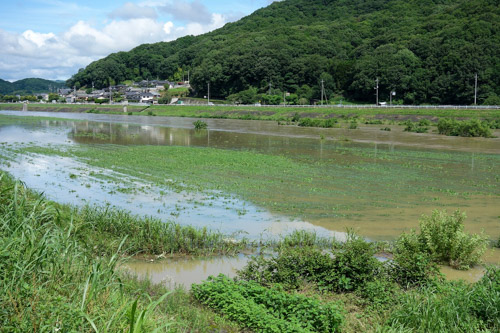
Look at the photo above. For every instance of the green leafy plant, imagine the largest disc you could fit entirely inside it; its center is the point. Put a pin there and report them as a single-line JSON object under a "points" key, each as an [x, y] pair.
{"points": [[443, 237], [268, 309], [199, 124]]}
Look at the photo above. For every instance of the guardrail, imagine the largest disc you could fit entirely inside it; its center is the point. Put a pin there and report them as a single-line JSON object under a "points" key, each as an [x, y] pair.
{"points": [[353, 106]]}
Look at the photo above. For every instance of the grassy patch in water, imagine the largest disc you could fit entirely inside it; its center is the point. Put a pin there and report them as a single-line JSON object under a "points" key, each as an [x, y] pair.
{"points": [[349, 182]]}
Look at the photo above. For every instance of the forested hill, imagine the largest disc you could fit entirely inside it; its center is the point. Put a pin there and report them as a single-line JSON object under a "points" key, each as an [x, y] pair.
{"points": [[428, 51], [29, 86]]}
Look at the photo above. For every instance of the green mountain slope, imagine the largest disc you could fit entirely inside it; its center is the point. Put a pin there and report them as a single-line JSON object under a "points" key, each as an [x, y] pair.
{"points": [[428, 51], [29, 86]]}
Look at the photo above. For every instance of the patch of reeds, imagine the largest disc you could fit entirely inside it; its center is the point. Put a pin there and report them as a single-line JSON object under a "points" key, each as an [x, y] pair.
{"points": [[49, 282]]}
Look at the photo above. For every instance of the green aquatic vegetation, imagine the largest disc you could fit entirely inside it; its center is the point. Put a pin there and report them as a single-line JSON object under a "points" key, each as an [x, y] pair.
{"points": [[198, 125], [420, 127], [351, 174], [310, 122], [470, 128], [268, 309]]}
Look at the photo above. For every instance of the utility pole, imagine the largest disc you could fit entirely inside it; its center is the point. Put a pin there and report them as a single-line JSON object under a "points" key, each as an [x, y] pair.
{"points": [[208, 93], [377, 89], [475, 90], [110, 94], [270, 86], [322, 90], [92, 86]]}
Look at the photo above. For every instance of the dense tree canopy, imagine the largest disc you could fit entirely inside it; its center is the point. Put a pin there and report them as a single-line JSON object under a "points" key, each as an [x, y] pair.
{"points": [[29, 86], [428, 51]]}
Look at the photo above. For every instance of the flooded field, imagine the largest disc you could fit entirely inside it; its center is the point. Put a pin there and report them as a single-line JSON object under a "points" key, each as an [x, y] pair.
{"points": [[257, 179]]}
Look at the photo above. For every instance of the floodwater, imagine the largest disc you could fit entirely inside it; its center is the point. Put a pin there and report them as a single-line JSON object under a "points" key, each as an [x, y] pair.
{"points": [[377, 208], [185, 272]]}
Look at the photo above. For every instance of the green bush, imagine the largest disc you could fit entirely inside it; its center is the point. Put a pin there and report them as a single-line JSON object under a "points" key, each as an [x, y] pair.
{"points": [[470, 128], [353, 124], [325, 123], [268, 309], [292, 267], [343, 270], [411, 266], [379, 292], [443, 237], [199, 124], [419, 127]]}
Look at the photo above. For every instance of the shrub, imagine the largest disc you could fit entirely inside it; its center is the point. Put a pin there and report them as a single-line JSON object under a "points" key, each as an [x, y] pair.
{"points": [[471, 128], [355, 263], [308, 122], [379, 292], [442, 236], [353, 124], [411, 266], [291, 267], [388, 129], [344, 270], [420, 127], [200, 125], [268, 309]]}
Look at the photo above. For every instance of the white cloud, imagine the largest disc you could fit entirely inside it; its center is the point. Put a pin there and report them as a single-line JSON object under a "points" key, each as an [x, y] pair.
{"points": [[58, 56]]}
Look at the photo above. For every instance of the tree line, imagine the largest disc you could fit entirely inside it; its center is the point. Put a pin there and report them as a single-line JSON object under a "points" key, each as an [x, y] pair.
{"points": [[427, 51]]}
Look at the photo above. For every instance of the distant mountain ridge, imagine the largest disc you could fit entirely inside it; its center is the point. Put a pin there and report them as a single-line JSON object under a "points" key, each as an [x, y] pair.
{"points": [[29, 86], [427, 51]]}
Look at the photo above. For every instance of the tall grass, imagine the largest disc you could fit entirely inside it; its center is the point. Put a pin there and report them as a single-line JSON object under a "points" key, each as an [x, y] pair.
{"points": [[52, 280], [48, 282], [105, 227]]}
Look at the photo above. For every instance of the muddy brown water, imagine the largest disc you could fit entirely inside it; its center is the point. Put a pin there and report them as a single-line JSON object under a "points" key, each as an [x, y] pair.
{"points": [[44, 173]]}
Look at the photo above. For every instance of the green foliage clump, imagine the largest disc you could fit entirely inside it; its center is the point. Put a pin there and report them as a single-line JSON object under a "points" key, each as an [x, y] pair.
{"points": [[199, 124], [442, 239], [267, 309], [353, 124], [387, 129], [470, 128], [309, 122], [342, 270], [379, 293], [410, 265], [420, 127]]}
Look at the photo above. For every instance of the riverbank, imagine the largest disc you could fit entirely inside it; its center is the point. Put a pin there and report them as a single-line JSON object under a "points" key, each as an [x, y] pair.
{"points": [[274, 113], [59, 272]]}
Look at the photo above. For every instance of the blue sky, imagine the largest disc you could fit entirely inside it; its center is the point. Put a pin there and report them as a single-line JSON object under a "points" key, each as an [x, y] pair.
{"points": [[52, 39]]}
